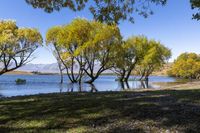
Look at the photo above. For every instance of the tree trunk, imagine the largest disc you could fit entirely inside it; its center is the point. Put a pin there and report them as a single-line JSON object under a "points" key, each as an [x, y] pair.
{"points": [[93, 76], [128, 75], [122, 75], [127, 85], [61, 73], [146, 80], [93, 88], [61, 77], [143, 84], [92, 79], [122, 85], [129, 71]]}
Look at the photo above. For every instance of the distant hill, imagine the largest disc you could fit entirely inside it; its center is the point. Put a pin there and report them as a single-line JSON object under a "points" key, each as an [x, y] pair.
{"points": [[49, 68], [53, 68], [163, 70], [44, 68], [19, 73]]}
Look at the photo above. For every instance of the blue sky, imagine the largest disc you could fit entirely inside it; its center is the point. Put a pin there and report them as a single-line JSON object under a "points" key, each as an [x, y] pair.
{"points": [[172, 25]]}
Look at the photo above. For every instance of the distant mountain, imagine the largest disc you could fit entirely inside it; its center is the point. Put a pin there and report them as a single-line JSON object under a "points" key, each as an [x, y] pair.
{"points": [[49, 68], [53, 68], [46, 68]]}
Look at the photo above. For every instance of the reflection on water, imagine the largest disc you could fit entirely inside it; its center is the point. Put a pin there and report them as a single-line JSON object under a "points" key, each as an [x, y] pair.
{"points": [[135, 85], [72, 87], [50, 83]]}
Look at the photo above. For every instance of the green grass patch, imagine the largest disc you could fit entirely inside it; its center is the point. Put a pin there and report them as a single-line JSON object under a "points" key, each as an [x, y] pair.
{"points": [[150, 111]]}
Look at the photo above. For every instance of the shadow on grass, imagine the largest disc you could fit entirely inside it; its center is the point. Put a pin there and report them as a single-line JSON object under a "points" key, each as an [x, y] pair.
{"points": [[103, 112]]}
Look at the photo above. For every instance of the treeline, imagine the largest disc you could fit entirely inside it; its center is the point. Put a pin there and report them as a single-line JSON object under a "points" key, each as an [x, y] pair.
{"points": [[187, 65], [86, 43], [83, 44]]}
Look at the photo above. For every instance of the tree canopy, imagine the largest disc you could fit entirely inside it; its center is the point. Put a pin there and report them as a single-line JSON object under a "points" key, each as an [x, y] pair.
{"points": [[155, 56], [187, 65], [16, 45], [140, 54], [195, 4], [93, 47], [85, 43], [109, 11], [132, 51]]}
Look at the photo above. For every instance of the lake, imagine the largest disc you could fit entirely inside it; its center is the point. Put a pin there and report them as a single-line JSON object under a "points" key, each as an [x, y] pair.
{"points": [[37, 84]]}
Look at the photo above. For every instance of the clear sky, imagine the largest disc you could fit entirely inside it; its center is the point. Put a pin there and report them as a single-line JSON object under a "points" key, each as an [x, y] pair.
{"points": [[172, 25]]}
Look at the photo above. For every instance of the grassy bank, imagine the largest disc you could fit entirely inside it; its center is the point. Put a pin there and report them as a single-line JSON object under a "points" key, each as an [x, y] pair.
{"points": [[154, 111], [19, 73]]}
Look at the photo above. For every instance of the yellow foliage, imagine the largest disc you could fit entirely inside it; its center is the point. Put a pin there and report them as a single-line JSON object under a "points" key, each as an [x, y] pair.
{"points": [[12, 38], [187, 65], [82, 37]]}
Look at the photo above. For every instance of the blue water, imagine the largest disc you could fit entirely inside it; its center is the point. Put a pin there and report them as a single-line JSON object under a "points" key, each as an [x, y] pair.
{"points": [[37, 84]]}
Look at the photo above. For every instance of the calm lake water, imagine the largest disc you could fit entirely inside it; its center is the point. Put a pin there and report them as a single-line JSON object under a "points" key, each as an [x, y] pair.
{"points": [[37, 84]]}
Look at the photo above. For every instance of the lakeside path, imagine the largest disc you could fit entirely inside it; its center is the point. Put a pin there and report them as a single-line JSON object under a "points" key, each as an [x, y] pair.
{"points": [[169, 110]]}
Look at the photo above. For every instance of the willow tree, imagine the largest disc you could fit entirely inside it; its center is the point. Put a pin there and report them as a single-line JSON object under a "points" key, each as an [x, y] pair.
{"points": [[130, 53], [68, 40], [109, 11], [99, 50], [156, 55], [90, 44], [73, 39], [187, 65], [52, 38], [16, 45], [85, 44]]}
